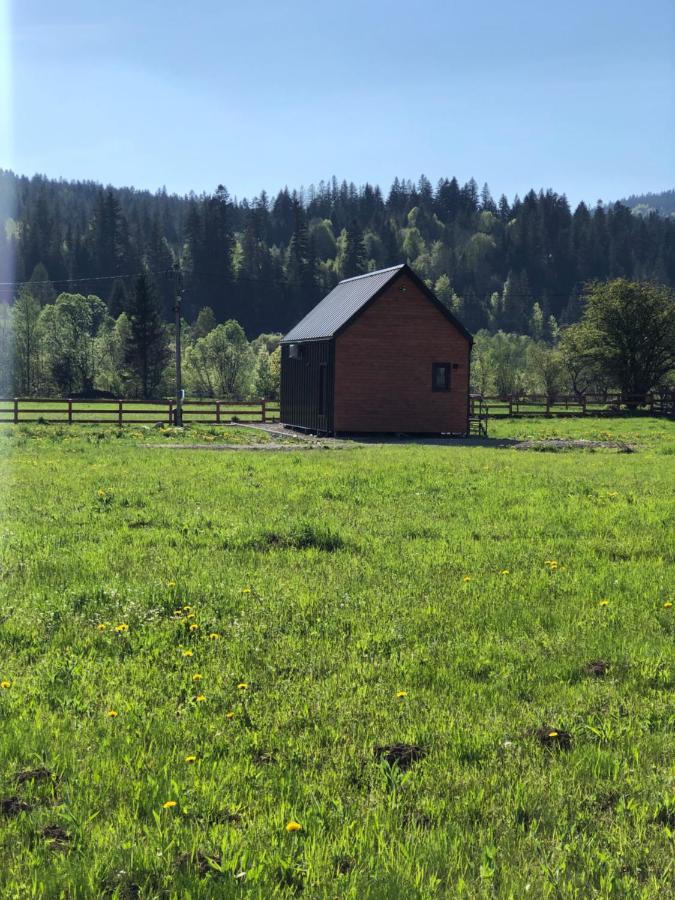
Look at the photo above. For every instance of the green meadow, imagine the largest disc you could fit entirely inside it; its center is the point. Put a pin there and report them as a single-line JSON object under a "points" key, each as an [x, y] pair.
{"points": [[449, 669]]}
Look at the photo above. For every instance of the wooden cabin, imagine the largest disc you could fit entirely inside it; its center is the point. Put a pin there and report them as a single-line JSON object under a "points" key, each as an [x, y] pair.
{"points": [[380, 353]]}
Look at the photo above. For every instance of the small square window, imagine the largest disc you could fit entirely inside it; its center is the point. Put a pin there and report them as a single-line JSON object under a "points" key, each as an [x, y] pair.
{"points": [[440, 376]]}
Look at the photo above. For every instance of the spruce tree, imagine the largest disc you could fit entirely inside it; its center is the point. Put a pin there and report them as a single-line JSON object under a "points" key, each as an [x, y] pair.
{"points": [[40, 286], [117, 303], [146, 351], [355, 256], [204, 323]]}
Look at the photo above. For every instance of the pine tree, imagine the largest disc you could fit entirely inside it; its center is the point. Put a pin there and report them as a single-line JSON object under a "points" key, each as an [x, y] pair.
{"points": [[355, 255], [117, 303], [146, 352], [516, 299], [536, 326], [40, 286], [486, 202], [204, 323]]}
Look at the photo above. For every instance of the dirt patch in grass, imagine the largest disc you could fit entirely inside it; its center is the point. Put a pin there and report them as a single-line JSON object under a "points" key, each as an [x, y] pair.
{"points": [[554, 738], [268, 448], [665, 816], [555, 445], [201, 862], [300, 536], [401, 755], [597, 668], [264, 758], [36, 775], [57, 838], [12, 806]]}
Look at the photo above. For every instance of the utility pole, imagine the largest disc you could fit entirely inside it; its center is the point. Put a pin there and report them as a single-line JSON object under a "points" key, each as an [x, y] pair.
{"points": [[179, 376]]}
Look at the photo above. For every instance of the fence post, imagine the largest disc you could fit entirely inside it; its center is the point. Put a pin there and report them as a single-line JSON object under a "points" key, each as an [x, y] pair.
{"points": [[217, 412], [170, 412], [264, 409], [16, 410], [583, 405], [70, 411], [120, 407]]}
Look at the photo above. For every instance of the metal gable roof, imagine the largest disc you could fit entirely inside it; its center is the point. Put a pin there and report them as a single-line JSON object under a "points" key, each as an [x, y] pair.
{"points": [[338, 307]]}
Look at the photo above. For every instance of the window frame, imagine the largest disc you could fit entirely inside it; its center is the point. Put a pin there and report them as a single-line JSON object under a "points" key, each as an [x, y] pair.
{"points": [[447, 367]]}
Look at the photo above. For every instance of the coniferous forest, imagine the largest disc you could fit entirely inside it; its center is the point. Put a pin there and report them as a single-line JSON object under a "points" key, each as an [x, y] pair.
{"points": [[90, 276], [266, 261]]}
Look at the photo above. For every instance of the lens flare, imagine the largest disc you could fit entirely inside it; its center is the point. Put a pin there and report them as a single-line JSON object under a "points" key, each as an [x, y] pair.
{"points": [[7, 203]]}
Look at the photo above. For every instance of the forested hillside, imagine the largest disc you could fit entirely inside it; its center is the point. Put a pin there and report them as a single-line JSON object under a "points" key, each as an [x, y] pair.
{"points": [[500, 264], [645, 204]]}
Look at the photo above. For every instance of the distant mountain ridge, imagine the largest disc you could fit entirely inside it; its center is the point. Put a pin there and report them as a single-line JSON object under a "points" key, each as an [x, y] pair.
{"points": [[662, 203]]}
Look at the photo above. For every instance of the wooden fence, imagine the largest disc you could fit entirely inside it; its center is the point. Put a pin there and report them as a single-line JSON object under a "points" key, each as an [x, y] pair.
{"points": [[610, 404], [134, 412]]}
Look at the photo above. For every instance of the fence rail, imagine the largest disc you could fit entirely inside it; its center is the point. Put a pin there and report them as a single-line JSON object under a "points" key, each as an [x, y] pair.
{"points": [[610, 404], [17, 410]]}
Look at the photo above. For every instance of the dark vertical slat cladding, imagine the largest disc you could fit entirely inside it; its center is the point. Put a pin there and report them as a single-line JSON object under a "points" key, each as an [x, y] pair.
{"points": [[303, 378]]}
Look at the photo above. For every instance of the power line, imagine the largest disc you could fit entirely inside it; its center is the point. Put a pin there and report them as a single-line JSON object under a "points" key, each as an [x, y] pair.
{"points": [[55, 281], [230, 280]]}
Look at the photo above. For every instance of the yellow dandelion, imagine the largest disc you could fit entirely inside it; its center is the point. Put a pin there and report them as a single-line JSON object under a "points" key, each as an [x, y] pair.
{"points": [[603, 603], [214, 636], [242, 686], [102, 626], [5, 684], [101, 492], [178, 613], [120, 629], [504, 572], [246, 590], [197, 676], [401, 694], [112, 714], [169, 804], [294, 826], [194, 626], [668, 605], [467, 578], [171, 584], [190, 759], [187, 609], [553, 734], [229, 715], [200, 698]]}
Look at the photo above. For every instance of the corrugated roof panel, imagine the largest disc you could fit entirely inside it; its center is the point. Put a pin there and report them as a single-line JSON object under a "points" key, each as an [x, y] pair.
{"points": [[338, 307]]}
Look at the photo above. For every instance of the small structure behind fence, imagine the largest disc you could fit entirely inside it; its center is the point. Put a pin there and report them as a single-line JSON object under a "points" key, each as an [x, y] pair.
{"points": [[72, 411]]}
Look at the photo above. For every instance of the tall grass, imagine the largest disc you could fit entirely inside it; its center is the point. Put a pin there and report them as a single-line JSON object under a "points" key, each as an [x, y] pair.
{"points": [[447, 599]]}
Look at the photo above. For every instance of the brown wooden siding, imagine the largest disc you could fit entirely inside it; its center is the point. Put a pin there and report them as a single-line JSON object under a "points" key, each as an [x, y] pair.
{"points": [[383, 367]]}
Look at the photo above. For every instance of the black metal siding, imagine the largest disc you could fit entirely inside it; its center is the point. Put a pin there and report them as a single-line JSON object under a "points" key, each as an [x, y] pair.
{"points": [[300, 386]]}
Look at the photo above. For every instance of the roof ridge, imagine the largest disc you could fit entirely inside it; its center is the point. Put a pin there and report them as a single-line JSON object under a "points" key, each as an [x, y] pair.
{"points": [[370, 274]]}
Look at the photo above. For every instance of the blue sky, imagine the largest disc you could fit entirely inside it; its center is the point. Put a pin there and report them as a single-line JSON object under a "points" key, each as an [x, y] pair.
{"points": [[577, 96]]}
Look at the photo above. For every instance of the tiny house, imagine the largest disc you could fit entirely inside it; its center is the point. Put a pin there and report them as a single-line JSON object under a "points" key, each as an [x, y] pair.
{"points": [[380, 353]]}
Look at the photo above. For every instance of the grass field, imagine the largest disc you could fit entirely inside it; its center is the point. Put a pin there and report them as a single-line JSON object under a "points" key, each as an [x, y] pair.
{"points": [[199, 649]]}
